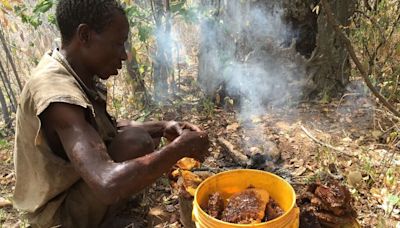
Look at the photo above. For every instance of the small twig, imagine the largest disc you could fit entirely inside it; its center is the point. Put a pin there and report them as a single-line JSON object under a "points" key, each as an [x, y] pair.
{"points": [[389, 129], [342, 98], [380, 126], [389, 114], [389, 160], [395, 88], [323, 143]]}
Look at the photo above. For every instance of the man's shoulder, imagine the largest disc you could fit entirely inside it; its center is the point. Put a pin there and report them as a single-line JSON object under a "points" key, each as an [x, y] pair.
{"points": [[52, 83]]}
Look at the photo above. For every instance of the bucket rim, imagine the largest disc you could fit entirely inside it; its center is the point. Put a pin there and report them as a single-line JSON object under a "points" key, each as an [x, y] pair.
{"points": [[287, 213]]}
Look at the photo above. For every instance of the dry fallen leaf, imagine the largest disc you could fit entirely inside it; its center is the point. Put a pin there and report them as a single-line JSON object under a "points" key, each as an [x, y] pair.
{"points": [[256, 120], [255, 150], [354, 178], [347, 140], [299, 171], [190, 181], [187, 163], [376, 134], [232, 127], [175, 173], [4, 202]]}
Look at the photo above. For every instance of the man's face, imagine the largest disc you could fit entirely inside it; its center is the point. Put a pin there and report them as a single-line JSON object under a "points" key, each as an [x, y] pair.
{"points": [[106, 49]]}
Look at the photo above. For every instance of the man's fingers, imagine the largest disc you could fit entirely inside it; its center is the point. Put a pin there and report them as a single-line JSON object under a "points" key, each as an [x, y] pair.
{"points": [[189, 126], [178, 129], [122, 123]]}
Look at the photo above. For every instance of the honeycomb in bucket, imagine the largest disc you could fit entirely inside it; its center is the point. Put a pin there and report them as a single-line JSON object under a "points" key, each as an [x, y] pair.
{"points": [[250, 206], [246, 207]]}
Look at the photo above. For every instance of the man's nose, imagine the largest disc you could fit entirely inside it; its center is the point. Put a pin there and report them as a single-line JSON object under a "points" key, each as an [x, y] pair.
{"points": [[124, 55]]}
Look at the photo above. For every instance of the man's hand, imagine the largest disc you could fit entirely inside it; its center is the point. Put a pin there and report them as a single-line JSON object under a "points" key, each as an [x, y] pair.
{"points": [[193, 144], [174, 129], [121, 124]]}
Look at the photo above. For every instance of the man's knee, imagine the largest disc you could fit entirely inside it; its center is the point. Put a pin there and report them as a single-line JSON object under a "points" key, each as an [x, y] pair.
{"points": [[131, 143]]}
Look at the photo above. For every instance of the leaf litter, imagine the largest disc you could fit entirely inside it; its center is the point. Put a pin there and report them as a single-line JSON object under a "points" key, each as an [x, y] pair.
{"points": [[371, 174]]}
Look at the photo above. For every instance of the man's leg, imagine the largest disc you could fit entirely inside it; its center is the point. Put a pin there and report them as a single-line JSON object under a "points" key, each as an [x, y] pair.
{"points": [[133, 142], [82, 208]]}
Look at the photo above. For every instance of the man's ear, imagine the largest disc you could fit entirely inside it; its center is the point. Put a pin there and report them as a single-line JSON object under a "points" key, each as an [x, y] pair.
{"points": [[84, 34]]}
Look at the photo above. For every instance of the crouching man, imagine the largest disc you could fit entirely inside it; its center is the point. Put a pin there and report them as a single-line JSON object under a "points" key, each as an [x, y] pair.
{"points": [[72, 162]]}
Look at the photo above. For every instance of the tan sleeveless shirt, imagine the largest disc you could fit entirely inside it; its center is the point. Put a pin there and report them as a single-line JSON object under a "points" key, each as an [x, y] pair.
{"points": [[43, 178]]}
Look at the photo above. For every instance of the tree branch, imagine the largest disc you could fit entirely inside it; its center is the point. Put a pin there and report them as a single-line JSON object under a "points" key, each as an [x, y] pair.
{"points": [[332, 22], [10, 59]]}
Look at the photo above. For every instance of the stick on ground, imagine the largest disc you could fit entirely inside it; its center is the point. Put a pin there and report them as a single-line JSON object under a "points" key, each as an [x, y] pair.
{"points": [[323, 143], [237, 156]]}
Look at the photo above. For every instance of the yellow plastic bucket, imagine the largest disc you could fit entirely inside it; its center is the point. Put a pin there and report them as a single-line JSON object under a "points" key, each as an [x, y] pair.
{"points": [[233, 181]]}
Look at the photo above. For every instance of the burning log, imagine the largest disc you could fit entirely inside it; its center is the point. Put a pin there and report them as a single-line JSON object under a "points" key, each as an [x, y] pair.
{"points": [[328, 205], [236, 155], [264, 156]]}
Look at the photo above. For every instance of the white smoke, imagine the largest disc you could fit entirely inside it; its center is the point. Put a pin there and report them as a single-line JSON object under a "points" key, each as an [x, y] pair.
{"points": [[244, 50]]}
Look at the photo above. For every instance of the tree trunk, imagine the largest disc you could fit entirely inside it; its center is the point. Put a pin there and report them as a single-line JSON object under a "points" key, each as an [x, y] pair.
{"points": [[10, 59], [4, 110], [138, 85], [8, 89], [163, 59], [210, 45], [329, 63]]}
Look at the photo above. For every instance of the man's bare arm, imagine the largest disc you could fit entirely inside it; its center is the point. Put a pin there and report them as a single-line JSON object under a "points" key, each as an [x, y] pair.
{"points": [[114, 181], [169, 129]]}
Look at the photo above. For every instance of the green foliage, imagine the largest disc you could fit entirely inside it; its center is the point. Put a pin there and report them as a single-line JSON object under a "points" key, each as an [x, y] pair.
{"points": [[144, 32], [394, 200], [142, 41], [117, 105], [21, 11], [43, 6], [176, 6], [369, 169], [325, 98], [34, 16], [52, 19], [376, 35], [189, 14], [4, 144], [142, 19], [207, 106]]}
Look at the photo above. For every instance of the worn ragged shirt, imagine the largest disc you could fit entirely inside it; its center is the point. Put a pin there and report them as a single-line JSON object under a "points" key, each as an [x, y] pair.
{"points": [[43, 179]]}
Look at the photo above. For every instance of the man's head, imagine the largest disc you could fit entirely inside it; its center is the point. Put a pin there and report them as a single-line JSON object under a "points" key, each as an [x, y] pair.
{"points": [[96, 30]]}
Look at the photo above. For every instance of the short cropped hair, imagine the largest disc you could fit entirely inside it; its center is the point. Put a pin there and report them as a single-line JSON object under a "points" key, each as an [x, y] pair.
{"points": [[95, 13]]}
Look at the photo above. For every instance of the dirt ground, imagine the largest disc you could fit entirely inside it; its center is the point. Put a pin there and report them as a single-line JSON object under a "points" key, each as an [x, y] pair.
{"points": [[344, 138]]}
